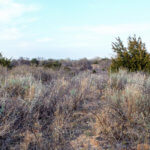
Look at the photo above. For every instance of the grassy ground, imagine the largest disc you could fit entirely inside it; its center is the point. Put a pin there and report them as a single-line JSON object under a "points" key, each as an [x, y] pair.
{"points": [[44, 109]]}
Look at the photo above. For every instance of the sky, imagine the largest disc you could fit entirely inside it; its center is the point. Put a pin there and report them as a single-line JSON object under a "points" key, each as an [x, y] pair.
{"points": [[72, 29]]}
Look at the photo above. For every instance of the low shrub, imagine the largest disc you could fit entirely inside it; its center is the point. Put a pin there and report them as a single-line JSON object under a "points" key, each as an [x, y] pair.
{"points": [[35, 62], [52, 64], [4, 61]]}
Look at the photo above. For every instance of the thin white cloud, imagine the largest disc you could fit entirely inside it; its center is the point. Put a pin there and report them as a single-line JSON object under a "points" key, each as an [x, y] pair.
{"points": [[12, 19], [23, 44], [95, 36], [110, 29], [10, 34], [44, 40], [10, 10]]}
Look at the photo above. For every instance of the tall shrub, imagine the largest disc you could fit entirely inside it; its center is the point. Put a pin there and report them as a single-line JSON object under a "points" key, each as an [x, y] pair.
{"points": [[134, 57]]}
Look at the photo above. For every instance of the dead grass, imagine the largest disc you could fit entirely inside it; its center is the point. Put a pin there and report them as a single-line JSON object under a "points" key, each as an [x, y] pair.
{"points": [[122, 118], [47, 109]]}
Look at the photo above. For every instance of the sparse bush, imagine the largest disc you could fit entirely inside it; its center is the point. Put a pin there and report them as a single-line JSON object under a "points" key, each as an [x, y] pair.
{"points": [[24, 87]]}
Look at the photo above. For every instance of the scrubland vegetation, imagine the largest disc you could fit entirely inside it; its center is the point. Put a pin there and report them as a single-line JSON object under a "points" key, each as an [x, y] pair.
{"points": [[76, 105], [47, 109]]}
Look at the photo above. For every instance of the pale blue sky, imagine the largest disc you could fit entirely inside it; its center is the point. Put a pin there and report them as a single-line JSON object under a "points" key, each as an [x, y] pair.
{"points": [[70, 28]]}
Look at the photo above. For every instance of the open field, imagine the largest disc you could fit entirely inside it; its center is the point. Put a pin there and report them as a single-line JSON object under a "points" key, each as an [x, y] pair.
{"points": [[54, 109], [74, 75]]}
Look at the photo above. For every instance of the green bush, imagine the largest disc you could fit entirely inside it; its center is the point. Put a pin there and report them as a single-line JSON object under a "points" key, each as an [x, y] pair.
{"points": [[4, 61], [94, 71], [52, 64], [35, 62], [134, 57]]}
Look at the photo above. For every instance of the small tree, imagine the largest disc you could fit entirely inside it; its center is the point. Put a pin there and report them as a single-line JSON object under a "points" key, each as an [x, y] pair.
{"points": [[134, 57]]}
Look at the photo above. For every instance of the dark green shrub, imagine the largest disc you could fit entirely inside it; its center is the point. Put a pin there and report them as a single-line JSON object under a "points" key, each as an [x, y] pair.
{"points": [[134, 57], [94, 71], [52, 64], [35, 62], [96, 62], [67, 69], [4, 61]]}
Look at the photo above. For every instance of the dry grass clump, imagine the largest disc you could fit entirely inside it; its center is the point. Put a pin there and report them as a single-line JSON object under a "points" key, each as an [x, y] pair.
{"points": [[38, 73], [19, 86], [125, 113]]}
